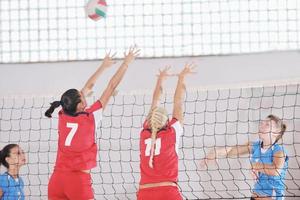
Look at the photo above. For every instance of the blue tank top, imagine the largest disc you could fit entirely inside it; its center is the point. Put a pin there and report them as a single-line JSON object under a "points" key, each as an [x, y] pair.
{"points": [[13, 189], [267, 158]]}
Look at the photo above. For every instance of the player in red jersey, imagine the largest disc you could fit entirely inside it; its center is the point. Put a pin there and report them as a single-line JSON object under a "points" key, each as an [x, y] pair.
{"points": [[159, 141], [77, 150]]}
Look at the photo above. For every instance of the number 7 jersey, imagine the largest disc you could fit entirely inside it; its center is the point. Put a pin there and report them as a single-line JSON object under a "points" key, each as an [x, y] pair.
{"points": [[165, 160], [77, 149]]}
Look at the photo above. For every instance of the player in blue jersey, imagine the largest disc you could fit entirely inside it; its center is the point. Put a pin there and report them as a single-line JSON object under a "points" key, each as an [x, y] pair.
{"points": [[11, 184], [268, 159]]}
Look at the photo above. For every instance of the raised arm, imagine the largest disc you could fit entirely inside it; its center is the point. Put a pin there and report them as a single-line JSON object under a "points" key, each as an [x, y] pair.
{"points": [[158, 87], [180, 89], [157, 122], [117, 77], [107, 62]]}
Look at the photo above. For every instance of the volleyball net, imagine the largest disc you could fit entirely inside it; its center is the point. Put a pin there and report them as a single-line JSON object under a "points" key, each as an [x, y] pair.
{"points": [[212, 118]]}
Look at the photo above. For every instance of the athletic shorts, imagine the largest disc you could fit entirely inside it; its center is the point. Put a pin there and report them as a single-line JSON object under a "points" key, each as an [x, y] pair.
{"points": [[70, 185], [159, 193], [265, 189]]}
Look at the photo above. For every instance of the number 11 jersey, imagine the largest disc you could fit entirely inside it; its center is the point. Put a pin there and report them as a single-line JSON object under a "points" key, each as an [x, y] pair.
{"points": [[165, 160]]}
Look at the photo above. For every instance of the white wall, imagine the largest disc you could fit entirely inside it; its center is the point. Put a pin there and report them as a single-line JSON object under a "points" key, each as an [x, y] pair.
{"points": [[54, 78], [21, 121]]}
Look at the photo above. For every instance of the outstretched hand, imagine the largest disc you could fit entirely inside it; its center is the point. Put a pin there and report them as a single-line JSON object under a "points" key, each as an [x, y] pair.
{"points": [[209, 159], [188, 69], [108, 59], [164, 73], [132, 53]]}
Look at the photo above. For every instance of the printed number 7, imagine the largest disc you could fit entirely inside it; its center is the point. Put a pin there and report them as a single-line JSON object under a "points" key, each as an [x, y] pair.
{"points": [[157, 146], [71, 134]]}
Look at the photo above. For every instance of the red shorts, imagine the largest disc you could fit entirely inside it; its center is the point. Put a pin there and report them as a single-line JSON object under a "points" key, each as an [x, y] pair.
{"points": [[70, 185], [159, 193]]}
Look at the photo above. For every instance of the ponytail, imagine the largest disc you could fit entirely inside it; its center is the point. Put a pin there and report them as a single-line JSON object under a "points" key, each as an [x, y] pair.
{"points": [[54, 105], [157, 119], [280, 124], [282, 130], [153, 138], [69, 101]]}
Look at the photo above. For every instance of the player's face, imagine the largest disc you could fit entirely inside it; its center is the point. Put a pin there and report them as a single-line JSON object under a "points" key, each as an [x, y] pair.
{"points": [[16, 157], [268, 130], [82, 105]]}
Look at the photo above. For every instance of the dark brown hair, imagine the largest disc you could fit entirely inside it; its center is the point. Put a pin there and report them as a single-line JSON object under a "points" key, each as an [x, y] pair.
{"points": [[68, 101], [4, 153]]}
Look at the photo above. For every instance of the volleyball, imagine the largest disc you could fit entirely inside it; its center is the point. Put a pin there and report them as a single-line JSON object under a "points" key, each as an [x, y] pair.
{"points": [[96, 9]]}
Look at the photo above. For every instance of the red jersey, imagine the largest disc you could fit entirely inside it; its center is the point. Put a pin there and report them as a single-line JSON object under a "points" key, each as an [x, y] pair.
{"points": [[77, 149], [165, 160]]}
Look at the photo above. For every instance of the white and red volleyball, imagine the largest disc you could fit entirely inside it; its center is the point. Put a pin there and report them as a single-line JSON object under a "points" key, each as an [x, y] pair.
{"points": [[96, 9]]}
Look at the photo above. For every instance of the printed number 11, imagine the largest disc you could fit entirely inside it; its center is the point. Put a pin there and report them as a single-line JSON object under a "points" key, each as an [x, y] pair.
{"points": [[148, 146]]}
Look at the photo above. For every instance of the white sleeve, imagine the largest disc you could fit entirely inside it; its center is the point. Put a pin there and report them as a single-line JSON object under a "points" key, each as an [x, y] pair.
{"points": [[97, 117], [178, 131]]}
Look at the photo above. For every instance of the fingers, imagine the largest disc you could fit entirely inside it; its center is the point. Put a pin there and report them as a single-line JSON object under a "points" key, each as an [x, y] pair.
{"points": [[129, 51], [108, 54], [165, 71], [130, 48], [189, 68], [167, 68], [113, 56], [133, 50], [136, 53]]}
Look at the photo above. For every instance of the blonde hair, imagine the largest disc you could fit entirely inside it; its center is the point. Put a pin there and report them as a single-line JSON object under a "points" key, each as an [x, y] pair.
{"points": [[279, 123], [156, 119]]}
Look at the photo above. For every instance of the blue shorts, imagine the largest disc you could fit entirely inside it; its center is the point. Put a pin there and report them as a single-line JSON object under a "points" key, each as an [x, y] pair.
{"points": [[265, 188]]}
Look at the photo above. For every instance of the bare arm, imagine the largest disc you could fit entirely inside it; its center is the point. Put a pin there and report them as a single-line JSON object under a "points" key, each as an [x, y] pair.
{"points": [[271, 169], [221, 152], [1, 193], [107, 62], [158, 87], [117, 77], [180, 89], [235, 151]]}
